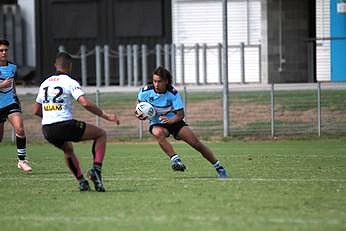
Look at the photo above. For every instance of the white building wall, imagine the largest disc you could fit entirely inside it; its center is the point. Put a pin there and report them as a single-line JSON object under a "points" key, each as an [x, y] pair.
{"points": [[323, 65], [200, 21]]}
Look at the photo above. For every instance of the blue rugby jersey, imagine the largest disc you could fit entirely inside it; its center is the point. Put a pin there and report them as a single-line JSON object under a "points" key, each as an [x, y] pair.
{"points": [[164, 103], [7, 94]]}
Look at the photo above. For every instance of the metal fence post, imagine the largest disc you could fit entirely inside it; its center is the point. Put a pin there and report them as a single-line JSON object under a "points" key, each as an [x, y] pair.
{"points": [[129, 65], [272, 110], [226, 117], [197, 62], [121, 65], [204, 63], [83, 65], [144, 65], [319, 108], [260, 63], [106, 63], [97, 104], [98, 65], [182, 62], [166, 56], [219, 61], [185, 103], [135, 64], [140, 130], [173, 66], [242, 62], [158, 54]]}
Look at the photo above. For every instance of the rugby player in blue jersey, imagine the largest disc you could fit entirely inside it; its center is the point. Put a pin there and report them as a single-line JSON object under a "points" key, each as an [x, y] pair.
{"points": [[9, 105], [169, 120]]}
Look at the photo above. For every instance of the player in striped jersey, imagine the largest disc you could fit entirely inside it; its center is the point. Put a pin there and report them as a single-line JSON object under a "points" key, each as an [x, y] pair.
{"points": [[169, 119], [9, 105]]}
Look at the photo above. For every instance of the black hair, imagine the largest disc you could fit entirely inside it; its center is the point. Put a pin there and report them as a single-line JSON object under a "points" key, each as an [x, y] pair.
{"points": [[164, 74], [4, 42], [64, 59]]}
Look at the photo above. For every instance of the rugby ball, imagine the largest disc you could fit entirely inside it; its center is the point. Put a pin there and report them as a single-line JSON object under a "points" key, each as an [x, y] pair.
{"points": [[146, 108]]}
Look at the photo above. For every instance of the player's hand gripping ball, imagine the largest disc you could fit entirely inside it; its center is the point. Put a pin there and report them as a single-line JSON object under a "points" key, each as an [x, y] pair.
{"points": [[145, 109]]}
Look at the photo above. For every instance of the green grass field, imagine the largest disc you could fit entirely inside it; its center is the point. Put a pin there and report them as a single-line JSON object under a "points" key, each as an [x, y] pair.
{"points": [[273, 185]]}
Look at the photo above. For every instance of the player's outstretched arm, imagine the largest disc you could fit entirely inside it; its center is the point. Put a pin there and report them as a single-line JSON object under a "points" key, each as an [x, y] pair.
{"points": [[90, 106]]}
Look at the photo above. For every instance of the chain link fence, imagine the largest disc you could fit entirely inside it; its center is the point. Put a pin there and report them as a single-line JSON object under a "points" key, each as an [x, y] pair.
{"points": [[281, 110]]}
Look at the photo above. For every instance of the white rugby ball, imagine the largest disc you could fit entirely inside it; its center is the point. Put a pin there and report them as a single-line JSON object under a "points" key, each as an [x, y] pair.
{"points": [[146, 108]]}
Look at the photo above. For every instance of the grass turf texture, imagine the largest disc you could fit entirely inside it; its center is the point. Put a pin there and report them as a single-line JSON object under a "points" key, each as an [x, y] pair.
{"points": [[283, 185]]}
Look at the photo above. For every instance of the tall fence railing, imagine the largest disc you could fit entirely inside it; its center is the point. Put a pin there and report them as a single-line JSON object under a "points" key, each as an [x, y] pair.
{"points": [[198, 64], [278, 110]]}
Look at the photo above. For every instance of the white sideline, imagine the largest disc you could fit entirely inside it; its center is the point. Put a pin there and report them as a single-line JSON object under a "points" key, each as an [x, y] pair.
{"points": [[188, 178], [75, 219]]}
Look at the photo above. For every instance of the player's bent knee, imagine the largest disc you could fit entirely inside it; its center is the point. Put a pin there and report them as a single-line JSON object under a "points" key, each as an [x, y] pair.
{"points": [[20, 132], [159, 134], [103, 133]]}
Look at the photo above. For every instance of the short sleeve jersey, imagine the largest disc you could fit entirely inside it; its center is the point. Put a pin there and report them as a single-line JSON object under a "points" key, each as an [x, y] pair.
{"points": [[164, 103], [7, 95], [56, 94]]}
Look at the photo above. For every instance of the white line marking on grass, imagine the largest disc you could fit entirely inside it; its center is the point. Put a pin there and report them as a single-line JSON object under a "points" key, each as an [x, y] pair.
{"points": [[184, 179], [60, 218], [289, 180], [84, 219], [303, 221]]}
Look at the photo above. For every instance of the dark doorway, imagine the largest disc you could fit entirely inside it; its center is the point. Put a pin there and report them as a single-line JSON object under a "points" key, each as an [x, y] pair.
{"points": [[73, 23]]}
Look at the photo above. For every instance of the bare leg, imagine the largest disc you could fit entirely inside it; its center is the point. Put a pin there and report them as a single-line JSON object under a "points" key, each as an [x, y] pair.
{"points": [[99, 146], [187, 135], [98, 150], [72, 160], [16, 121], [160, 134]]}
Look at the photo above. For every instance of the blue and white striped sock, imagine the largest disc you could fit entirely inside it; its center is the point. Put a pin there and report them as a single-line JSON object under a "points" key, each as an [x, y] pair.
{"points": [[175, 157], [217, 165]]}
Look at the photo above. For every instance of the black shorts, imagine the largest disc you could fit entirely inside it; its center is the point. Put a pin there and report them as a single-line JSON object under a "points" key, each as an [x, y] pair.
{"points": [[61, 132], [172, 128], [12, 108]]}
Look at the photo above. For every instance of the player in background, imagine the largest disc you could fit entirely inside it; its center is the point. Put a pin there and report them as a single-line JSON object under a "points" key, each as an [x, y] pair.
{"points": [[10, 107], [54, 105], [169, 119]]}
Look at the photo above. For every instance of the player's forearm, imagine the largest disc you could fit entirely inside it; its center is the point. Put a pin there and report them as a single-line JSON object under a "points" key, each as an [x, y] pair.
{"points": [[38, 110], [94, 109], [90, 106], [178, 117]]}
